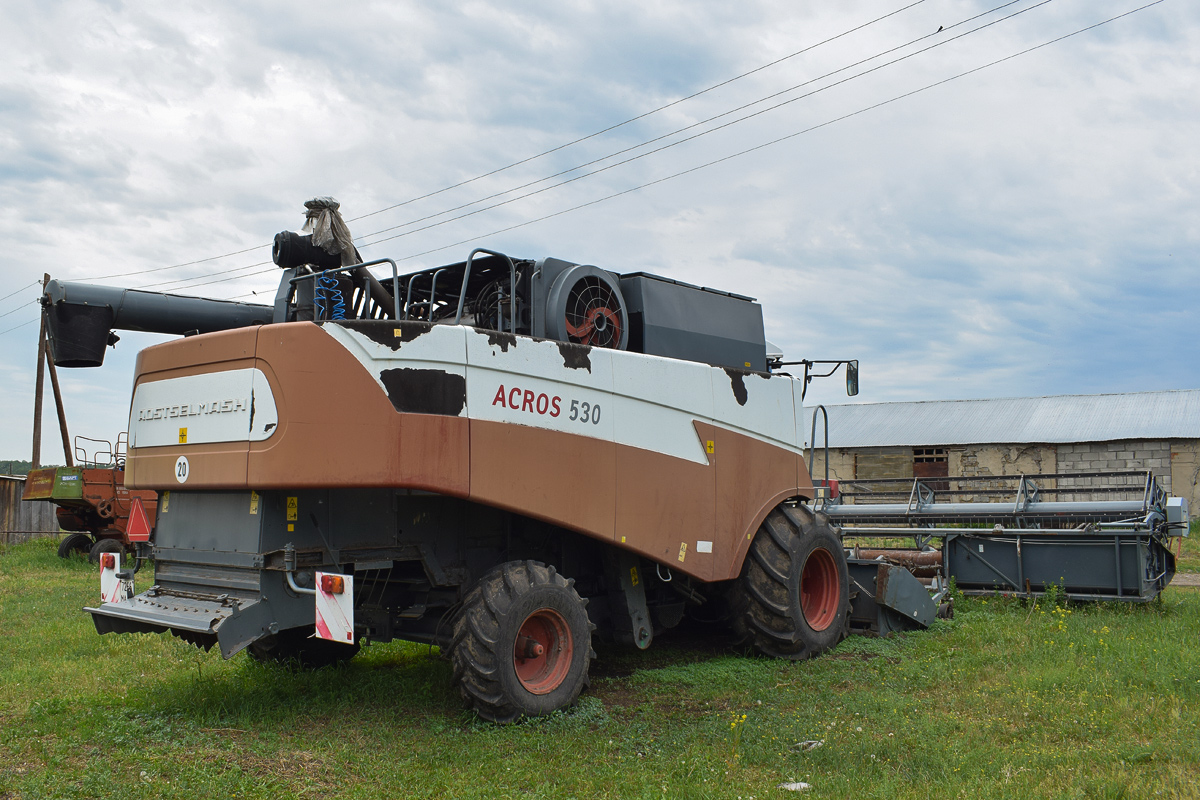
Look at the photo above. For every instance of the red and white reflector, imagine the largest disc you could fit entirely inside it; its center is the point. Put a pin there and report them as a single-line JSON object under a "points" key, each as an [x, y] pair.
{"points": [[138, 527], [335, 607], [112, 588]]}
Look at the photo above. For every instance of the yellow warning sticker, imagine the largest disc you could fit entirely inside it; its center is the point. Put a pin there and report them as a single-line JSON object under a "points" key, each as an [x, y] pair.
{"points": [[682, 550], [293, 509], [396, 332], [183, 435], [747, 365], [291, 527], [633, 576], [253, 502], [710, 446], [163, 502]]}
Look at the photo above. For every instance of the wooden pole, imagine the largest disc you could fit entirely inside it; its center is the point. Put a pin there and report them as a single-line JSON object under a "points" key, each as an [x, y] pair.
{"points": [[37, 391], [58, 404]]}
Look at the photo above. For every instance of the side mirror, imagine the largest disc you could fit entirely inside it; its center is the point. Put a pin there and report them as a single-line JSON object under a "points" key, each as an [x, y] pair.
{"points": [[852, 378]]}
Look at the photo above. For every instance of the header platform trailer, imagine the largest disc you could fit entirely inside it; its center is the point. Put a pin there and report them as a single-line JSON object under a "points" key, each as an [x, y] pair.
{"points": [[502, 457]]}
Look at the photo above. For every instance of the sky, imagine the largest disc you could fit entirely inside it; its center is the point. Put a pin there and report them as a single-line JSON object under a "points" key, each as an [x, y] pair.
{"points": [[939, 189]]}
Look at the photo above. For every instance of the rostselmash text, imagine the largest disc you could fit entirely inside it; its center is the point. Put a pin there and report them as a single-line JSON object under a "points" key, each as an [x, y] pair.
{"points": [[193, 409]]}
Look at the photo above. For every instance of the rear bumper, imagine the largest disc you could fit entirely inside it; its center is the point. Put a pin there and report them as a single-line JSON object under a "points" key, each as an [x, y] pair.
{"points": [[232, 623]]}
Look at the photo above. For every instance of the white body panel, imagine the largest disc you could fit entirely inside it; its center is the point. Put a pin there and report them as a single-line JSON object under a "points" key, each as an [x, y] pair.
{"points": [[645, 401], [231, 406]]}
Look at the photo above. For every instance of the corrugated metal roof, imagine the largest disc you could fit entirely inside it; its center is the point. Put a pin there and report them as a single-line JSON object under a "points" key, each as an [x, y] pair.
{"points": [[1014, 420]]}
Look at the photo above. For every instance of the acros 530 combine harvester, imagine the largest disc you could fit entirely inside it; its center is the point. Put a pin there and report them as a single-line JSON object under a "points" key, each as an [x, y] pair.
{"points": [[499, 456]]}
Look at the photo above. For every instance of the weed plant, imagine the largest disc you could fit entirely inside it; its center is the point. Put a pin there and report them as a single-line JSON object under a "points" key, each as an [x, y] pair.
{"points": [[1010, 699]]}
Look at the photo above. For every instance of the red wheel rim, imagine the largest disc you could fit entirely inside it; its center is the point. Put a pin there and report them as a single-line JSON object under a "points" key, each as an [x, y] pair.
{"points": [[819, 590], [543, 651]]}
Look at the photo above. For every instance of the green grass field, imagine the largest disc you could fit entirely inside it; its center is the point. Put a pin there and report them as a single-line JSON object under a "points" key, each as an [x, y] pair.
{"points": [[1005, 700]]}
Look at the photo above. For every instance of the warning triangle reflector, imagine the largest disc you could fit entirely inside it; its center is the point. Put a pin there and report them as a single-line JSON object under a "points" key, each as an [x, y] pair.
{"points": [[138, 528]]}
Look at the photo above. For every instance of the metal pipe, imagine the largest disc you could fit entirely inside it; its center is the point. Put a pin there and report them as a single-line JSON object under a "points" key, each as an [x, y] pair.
{"points": [[512, 273], [812, 442], [289, 566], [930, 512]]}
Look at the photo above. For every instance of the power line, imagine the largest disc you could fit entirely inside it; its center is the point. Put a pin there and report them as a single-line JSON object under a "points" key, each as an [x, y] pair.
{"points": [[772, 142], [642, 115], [731, 123], [784, 138], [18, 291], [547, 152], [180, 283], [18, 308], [22, 325]]}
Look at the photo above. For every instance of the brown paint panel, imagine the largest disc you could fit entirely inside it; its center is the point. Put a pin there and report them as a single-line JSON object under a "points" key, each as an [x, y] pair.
{"points": [[210, 466], [752, 478], [558, 477], [436, 453], [665, 501], [336, 425], [338, 428], [211, 348]]}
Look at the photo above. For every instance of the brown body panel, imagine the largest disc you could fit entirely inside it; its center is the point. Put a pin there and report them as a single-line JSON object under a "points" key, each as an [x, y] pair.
{"points": [[337, 428]]}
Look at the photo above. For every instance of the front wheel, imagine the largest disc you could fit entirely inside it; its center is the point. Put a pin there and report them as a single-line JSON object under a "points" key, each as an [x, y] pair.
{"points": [[74, 543], [522, 644], [792, 599]]}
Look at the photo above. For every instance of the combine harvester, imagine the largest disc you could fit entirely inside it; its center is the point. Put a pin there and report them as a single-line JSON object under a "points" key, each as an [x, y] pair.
{"points": [[503, 457]]}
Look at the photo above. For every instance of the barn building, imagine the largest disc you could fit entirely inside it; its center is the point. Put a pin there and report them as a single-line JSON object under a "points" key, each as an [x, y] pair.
{"points": [[1157, 431]]}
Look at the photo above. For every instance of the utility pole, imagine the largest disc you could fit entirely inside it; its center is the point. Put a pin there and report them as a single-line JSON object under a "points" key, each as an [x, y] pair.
{"points": [[37, 392]]}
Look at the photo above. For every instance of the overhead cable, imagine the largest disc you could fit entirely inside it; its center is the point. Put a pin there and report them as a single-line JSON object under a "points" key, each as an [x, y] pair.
{"points": [[551, 150]]}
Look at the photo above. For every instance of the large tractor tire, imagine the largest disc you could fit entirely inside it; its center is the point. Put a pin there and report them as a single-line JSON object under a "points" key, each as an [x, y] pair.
{"points": [[522, 643], [75, 543], [792, 599], [299, 646]]}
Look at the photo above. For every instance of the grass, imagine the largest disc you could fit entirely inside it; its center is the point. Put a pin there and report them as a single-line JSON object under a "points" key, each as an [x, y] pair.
{"points": [[1006, 700], [1188, 549]]}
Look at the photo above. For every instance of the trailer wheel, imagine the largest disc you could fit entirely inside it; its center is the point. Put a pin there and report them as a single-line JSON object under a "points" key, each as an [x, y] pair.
{"points": [[299, 646], [792, 599], [105, 546], [75, 543], [522, 643]]}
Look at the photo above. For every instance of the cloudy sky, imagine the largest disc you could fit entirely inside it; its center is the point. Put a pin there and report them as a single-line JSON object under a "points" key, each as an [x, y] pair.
{"points": [[967, 212]]}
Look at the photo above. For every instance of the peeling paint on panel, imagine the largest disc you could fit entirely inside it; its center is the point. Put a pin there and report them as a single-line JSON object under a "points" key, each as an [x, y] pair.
{"points": [[425, 391], [737, 378], [575, 356], [501, 340]]}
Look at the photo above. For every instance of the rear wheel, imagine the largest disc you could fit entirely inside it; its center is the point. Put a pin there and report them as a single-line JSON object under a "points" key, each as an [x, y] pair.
{"points": [[75, 543], [522, 644], [105, 546], [792, 599], [299, 646]]}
